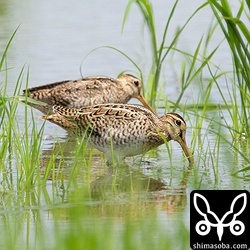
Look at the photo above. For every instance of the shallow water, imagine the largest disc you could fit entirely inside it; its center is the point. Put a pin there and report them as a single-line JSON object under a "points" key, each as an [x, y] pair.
{"points": [[52, 41]]}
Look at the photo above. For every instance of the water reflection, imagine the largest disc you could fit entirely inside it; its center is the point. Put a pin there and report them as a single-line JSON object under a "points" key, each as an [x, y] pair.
{"points": [[103, 188], [122, 182]]}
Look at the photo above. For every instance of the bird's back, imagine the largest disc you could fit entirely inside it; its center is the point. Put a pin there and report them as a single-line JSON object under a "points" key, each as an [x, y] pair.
{"points": [[77, 93], [124, 128]]}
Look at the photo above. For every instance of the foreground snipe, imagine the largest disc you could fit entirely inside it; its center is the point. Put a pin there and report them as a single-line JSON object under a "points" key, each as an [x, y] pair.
{"points": [[87, 92], [121, 130]]}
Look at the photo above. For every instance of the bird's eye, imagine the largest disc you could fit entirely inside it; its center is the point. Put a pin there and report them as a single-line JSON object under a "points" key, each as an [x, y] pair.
{"points": [[136, 83], [178, 122]]}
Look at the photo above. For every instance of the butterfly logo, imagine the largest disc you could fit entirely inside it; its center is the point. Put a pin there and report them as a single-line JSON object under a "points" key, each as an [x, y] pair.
{"points": [[203, 227]]}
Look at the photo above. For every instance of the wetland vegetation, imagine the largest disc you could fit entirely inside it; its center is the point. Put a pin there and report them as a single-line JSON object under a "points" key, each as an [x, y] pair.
{"points": [[63, 196]]}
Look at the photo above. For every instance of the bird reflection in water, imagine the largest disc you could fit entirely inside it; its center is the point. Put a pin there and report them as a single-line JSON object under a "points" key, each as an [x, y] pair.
{"points": [[125, 183]]}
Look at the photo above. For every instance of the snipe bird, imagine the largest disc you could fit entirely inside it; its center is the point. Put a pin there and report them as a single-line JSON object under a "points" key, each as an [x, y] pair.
{"points": [[121, 130], [87, 92]]}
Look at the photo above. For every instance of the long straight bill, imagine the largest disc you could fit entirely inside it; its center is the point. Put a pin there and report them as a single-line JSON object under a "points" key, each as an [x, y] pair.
{"points": [[186, 151]]}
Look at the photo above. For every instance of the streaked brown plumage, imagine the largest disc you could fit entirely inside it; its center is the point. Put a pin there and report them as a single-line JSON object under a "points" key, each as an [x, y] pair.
{"points": [[87, 92], [121, 130]]}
